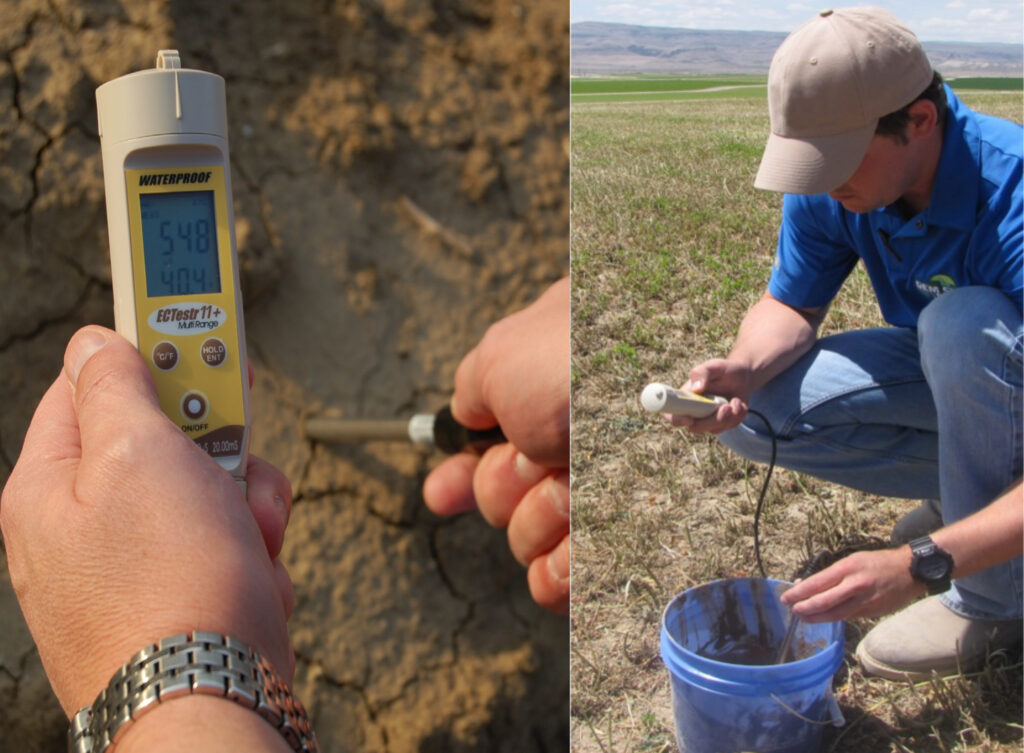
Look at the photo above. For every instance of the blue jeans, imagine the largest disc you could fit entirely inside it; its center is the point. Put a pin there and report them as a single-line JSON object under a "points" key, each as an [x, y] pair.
{"points": [[931, 413]]}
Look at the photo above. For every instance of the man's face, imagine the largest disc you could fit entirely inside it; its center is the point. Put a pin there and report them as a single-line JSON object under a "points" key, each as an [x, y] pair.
{"points": [[882, 178]]}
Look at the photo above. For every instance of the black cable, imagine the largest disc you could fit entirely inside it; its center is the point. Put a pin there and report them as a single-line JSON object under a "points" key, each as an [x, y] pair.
{"points": [[764, 492], [824, 558]]}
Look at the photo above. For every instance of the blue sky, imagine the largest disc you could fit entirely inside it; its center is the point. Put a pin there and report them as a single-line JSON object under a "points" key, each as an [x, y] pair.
{"points": [[941, 20]]}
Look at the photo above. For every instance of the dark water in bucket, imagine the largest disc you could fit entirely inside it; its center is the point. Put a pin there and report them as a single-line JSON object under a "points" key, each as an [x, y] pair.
{"points": [[720, 642], [726, 635]]}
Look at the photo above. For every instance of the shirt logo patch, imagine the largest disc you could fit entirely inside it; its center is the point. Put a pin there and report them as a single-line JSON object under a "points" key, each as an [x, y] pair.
{"points": [[936, 285]]}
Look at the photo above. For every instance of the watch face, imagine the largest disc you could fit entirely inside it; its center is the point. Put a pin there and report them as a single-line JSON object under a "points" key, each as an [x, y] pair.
{"points": [[933, 568]]}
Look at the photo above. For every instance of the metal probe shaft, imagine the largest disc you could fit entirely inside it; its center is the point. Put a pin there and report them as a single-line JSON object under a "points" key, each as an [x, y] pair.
{"points": [[356, 429], [794, 622], [787, 642]]}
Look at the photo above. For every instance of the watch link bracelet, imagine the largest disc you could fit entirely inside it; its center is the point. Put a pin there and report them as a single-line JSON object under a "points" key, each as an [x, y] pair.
{"points": [[931, 564], [207, 663]]}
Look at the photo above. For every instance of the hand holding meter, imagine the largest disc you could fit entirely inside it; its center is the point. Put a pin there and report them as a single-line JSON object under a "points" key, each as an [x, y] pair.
{"points": [[174, 269], [660, 398]]}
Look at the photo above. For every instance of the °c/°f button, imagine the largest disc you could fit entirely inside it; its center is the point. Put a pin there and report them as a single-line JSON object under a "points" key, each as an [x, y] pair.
{"points": [[194, 406], [165, 356]]}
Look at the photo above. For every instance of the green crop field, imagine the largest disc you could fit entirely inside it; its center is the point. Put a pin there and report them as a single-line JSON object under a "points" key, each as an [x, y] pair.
{"points": [[671, 244], [988, 84], [619, 85], [669, 88], [665, 88]]}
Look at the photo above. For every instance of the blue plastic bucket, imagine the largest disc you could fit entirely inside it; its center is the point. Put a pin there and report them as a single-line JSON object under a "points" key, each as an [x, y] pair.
{"points": [[719, 642]]}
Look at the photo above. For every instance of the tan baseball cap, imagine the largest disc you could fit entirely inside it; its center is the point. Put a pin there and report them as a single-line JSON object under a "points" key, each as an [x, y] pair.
{"points": [[828, 85]]}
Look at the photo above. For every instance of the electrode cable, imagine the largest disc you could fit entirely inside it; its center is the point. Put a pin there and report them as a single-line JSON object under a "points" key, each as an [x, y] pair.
{"points": [[764, 491]]}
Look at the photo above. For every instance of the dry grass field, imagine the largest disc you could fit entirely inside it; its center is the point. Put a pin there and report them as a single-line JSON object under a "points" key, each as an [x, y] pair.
{"points": [[670, 245]]}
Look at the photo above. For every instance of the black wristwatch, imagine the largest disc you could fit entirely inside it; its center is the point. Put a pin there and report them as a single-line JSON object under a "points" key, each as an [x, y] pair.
{"points": [[931, 564]]}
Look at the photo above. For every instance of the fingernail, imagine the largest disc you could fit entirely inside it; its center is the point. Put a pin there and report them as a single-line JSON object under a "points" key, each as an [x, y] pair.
{"points": [[559, 497], [699, 384], [527, 470], [558, 562], [282, 508], [82, 347]]}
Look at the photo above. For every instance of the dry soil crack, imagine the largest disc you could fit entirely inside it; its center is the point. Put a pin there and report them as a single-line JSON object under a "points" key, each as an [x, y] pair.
{"points": [[23, 660], [452, 589], [65, 316], [318, 495], [334, 682], [26, 36], [5, 459], [256, 186]]}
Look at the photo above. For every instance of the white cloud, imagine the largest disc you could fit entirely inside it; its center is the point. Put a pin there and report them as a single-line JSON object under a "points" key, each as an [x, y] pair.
{"points": [[988, 14], [617, 9], [941, 23]]}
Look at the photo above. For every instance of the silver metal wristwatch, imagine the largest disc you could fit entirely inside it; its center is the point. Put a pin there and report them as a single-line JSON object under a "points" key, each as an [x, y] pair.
{"points": [[181, 665]]}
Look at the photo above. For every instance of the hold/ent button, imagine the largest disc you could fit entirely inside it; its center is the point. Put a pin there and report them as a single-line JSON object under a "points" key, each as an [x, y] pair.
{"points": [[194, 406], [165, 356], [213, 351]]}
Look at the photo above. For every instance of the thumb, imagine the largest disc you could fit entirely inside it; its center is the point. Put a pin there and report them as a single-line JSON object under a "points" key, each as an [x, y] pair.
{"points": [[470, 405], [103, 378], [704, 374], [110, 384], [699, 376]]}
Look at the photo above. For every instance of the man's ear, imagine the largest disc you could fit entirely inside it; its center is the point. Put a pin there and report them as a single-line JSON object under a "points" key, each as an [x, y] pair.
{"points": [[924, 119]]}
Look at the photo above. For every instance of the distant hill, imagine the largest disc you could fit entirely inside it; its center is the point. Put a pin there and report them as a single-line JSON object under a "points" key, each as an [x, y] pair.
{"points": [[603, 49]]}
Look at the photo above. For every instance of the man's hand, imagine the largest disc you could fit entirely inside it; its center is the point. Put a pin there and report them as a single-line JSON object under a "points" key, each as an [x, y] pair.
{"points": [[869, 584], [518, 377], [772, 337], [723, 378], [865, 584], [120, 531]]}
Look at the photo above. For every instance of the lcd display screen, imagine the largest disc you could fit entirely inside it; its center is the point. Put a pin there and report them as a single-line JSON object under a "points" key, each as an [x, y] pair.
{"points": [[179, 243]]}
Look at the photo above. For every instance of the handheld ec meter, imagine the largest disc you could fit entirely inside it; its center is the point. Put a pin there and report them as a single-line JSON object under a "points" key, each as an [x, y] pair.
{"points": [[163, 135], [660, 398]]}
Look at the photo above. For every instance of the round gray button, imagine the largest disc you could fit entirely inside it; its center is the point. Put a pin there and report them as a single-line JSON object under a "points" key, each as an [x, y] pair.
{"points": [[194, 406]]}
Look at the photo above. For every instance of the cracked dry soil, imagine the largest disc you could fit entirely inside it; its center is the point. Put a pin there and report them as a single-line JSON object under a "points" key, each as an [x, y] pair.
{"points": [[354, 123]]}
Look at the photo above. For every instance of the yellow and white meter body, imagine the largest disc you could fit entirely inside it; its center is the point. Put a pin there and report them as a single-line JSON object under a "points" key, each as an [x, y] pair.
{"points": [[174, 269]]}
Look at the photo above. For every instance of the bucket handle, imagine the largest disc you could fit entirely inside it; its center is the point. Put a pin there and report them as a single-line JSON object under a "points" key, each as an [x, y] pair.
{"points": [[835, 714]]}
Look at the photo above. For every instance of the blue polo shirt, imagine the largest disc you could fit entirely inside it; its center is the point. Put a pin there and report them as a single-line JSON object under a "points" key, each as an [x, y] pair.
{"points": [[972, 232]]}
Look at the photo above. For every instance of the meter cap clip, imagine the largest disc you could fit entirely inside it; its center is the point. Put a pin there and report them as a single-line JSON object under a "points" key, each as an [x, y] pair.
{"points": [[168, 59]]}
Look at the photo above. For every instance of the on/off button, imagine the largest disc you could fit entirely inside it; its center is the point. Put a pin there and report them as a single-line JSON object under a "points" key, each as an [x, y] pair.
{"points": [[194, 406]]}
